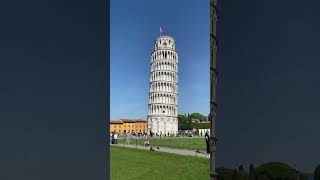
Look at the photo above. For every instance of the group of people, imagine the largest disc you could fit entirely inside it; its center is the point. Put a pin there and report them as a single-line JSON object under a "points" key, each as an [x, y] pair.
{"points": [[161, 134], [114, 138], [129, 136]]}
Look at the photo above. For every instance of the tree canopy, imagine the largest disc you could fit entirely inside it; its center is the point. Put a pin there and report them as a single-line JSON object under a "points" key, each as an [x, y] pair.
{"points": [[185, 122], [197, 116], [266, 171], [224, 173], [275, 170]]}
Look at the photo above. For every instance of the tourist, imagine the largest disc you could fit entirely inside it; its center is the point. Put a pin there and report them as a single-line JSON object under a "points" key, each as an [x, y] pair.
{"points": [[112, 138], [207, 142], [128, 138], [115, 137]]}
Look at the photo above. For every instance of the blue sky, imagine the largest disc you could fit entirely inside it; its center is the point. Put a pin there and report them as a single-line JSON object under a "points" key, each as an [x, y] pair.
{"points": [[133, 27]]}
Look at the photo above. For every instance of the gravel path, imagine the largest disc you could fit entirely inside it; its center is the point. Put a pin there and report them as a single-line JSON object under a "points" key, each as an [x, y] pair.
{"points": [[185, 152]]}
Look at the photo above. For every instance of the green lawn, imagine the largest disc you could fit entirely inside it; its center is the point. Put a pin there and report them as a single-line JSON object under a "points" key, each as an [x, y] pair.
{"points": [[136, 164], [181, 143]]}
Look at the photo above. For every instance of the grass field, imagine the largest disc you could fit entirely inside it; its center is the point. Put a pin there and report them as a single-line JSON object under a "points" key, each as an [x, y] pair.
{"points": [[135, 164], [181, 143]]}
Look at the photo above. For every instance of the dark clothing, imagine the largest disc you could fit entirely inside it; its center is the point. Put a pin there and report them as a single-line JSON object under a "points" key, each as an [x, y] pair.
{"points": [[207, 142], [112, 138]]}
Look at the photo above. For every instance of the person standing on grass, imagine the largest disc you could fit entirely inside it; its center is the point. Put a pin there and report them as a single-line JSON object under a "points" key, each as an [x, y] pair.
{"points": [[133, 135], [128, 138], [115, 136], [112, 138], [207, 142]]}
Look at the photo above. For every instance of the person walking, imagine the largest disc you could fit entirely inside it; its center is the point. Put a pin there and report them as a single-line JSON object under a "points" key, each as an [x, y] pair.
{"points": [[207, 142]]}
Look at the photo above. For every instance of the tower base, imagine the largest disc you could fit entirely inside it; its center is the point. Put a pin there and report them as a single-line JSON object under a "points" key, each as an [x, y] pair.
{"points": [[163, 125]]}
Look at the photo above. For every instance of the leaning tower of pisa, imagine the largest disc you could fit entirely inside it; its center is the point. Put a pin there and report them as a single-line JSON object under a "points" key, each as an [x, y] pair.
{"points": [[163, 93]]}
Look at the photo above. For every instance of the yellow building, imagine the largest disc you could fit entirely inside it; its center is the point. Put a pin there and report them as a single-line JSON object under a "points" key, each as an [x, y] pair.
{"points": [[129, 125]]}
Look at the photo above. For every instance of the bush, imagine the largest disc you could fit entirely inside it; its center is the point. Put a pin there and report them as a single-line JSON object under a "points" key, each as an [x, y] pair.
{"points": [[275, 170], [224, 173]]}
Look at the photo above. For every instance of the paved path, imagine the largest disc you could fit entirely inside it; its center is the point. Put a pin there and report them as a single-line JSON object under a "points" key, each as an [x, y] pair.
{"points": [[182, 137], [185, 152]]}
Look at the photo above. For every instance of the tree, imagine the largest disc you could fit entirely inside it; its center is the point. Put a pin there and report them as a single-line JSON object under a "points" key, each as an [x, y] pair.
{"points": [[182, 117], [196, 116], [317, 173], [183, 122], [224, 173], [303, 176], [275, 170], [251, 173]]}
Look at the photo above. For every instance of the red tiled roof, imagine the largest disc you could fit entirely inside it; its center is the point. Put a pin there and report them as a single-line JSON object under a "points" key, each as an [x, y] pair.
{"points": [[116, 122], [126, 120], [133, 120]]}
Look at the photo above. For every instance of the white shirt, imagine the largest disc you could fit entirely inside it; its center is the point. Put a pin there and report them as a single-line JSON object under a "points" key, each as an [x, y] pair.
{"points": [[115, 136]]}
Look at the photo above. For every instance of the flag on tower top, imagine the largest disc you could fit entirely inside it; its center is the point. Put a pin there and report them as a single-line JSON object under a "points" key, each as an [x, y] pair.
{"points": [[161, 31]]}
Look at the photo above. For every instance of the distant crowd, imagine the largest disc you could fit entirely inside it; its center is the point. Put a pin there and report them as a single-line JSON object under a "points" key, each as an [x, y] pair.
{"points": [[133, 135]]}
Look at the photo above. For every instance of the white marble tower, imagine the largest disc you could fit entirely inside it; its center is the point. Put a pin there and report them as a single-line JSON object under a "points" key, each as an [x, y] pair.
{"points": [[163, 93]]}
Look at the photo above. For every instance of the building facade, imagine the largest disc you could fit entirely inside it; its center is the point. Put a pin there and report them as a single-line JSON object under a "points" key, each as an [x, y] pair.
{"points": [[163, 92], [129, 125]]}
